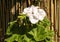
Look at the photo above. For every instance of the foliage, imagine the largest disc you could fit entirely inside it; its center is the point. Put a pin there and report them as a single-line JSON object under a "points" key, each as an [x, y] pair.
{"points": [[21, 30]]}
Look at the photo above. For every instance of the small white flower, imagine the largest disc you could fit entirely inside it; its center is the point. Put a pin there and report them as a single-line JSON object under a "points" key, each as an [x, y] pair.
{"points": [[35, 14]]}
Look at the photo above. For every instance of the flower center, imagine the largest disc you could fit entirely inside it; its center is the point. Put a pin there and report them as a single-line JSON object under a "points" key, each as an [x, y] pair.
{"points": [[32, 12]]}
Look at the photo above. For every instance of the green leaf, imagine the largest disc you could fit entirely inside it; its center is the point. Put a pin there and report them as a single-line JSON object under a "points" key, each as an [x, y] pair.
{"points": [[10, 25]]}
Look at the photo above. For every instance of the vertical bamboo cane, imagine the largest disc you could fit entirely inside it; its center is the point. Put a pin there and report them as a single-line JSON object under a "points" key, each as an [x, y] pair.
{"points": [[52, 15], [59, 21]]}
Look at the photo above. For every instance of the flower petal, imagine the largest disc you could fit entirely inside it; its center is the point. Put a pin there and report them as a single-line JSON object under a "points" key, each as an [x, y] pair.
{"points": [[33, 20], [42, 12], [27, 10]]}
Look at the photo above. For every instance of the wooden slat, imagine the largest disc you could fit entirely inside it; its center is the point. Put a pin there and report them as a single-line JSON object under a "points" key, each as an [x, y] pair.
{"points": [[11, 15], [3, 21], [59, 25], [59, 21], [59, 18], [49, 9], [0, 13], [29, 2], [56, 24], [46, 6], [0, 21], [52, 14], [7, 13], [41, 4], [25, 5]]}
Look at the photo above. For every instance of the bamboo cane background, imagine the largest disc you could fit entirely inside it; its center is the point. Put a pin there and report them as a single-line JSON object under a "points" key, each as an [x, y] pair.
{"points": [[9, 9]]}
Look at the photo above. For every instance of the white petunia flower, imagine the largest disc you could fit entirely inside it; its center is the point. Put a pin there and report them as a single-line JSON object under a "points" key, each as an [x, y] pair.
{"points": [[35, 14]]}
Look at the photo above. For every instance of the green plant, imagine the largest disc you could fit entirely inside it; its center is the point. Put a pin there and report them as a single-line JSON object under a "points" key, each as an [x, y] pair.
{"points": [[30, 32], [25, 30]]}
